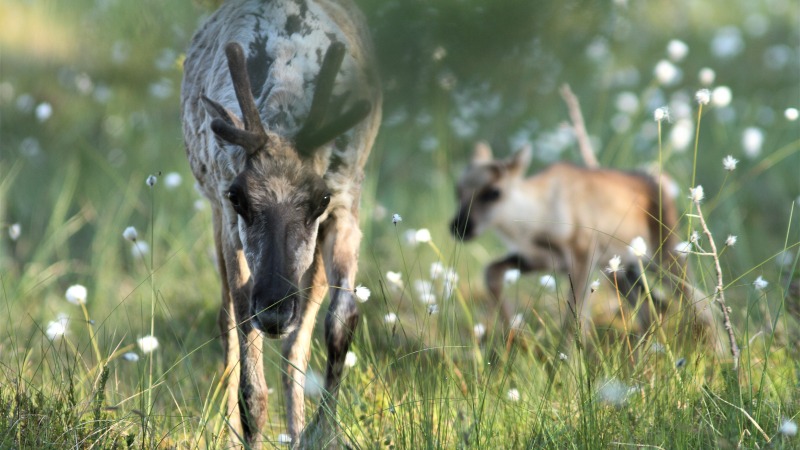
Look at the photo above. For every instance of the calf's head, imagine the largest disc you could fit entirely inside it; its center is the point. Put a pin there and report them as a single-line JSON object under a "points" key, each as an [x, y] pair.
{"points": [[484, 188], [279, 198]]}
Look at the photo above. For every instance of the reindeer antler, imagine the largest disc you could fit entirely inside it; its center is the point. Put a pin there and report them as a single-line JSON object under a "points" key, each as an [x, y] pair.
{"points": [[316, 131], [253, 136]]}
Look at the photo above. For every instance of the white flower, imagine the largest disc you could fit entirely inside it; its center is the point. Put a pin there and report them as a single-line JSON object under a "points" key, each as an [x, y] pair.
{"points": [[479, 330], [314, 384], [752, 141], [437, 270], [511, 276], [151, 180], [697, 194], [788, 428], [638, 247], [517, 322], [595, 285], [614, 392], [683, 247], [390, 318], [396, 278], [350, 359], [44, 111], [433, 309], [760, 283], [661, 113], [172, 180], [666, 73], [791, 114], [57, 328], [362, 293], [706, 76], [513, 395], [147, 344], [703, 96], [548, 282], [284, 439], [14, 231], [721, 96], [76, 294], [427, 298], [729, 163], [681, 135], [130, 356], [614, 264], [562, 356], [130, 234], [677, 50], [731, 240], [423, 235], [396, 218]]}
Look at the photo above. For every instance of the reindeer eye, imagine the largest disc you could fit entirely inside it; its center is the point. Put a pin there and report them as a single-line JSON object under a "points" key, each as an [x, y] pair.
{"points": [[326, 200], [489, 195], [236, 197]]}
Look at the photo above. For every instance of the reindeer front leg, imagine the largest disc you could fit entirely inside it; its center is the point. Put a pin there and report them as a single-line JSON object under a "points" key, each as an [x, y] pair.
{"points": [[495, 279], [252, 387], [296, 347], [341, 261]]}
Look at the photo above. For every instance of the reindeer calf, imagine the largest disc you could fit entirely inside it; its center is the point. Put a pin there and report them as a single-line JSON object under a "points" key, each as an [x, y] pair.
{"points": [[282, 168], [571, 219]]}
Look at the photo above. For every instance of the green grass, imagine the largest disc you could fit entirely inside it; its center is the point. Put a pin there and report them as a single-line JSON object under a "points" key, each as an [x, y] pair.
{"points": [[76, 180]]}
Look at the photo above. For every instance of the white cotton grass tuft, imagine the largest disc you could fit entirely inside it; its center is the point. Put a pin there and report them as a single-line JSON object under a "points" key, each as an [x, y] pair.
{"points": [[731, 240], [697, 194], [729, 163], [433, 309], [683, 247], [130, 356], [703, 96], [760, 284], [752, 141], [350, 359], [423, 236], [284, 439], [56, 329], [172, 180], [788, 428], [76, 294], [151, 180], [14, 231], [140, 249], [548, 282], [666, 73], [517, 322], [513, 395], [437, 270], [562, 356], [614, 264], [791, 114], [44, 111], [638, 247], [362, 293], [595, 285], [390, 318], [396, 218], [681, 135], [613, 392], [395, 278], [147, 344], [130, 234], [511, 276], [677, 50], [479, 330], [706, 76], [721, 96], [662, 113], [315, 384]]}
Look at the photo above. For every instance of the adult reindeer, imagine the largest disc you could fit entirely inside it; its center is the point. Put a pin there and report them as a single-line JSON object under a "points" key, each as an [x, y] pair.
{"points": [[281, 104]]}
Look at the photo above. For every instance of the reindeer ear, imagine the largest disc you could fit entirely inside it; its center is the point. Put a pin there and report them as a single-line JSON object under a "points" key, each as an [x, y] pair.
{"points": [[217, 111], [482, 153], [520, 160]]}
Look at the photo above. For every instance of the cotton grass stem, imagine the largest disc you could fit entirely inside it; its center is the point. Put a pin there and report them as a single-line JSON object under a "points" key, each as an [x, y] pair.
{"points": [[659, 328], [719, 291], [624, 322]]}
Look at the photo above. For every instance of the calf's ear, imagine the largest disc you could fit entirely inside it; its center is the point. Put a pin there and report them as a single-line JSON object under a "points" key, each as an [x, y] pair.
{"points": [[482, 153], [519, 161]]}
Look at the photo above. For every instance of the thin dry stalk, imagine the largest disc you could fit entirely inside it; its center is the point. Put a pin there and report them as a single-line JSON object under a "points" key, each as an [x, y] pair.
{"points": [[575, 115], [719, 293]]}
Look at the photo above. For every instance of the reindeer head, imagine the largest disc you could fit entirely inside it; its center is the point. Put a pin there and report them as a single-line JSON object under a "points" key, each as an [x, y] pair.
{"points": [[484, 188], [279, 198]]}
